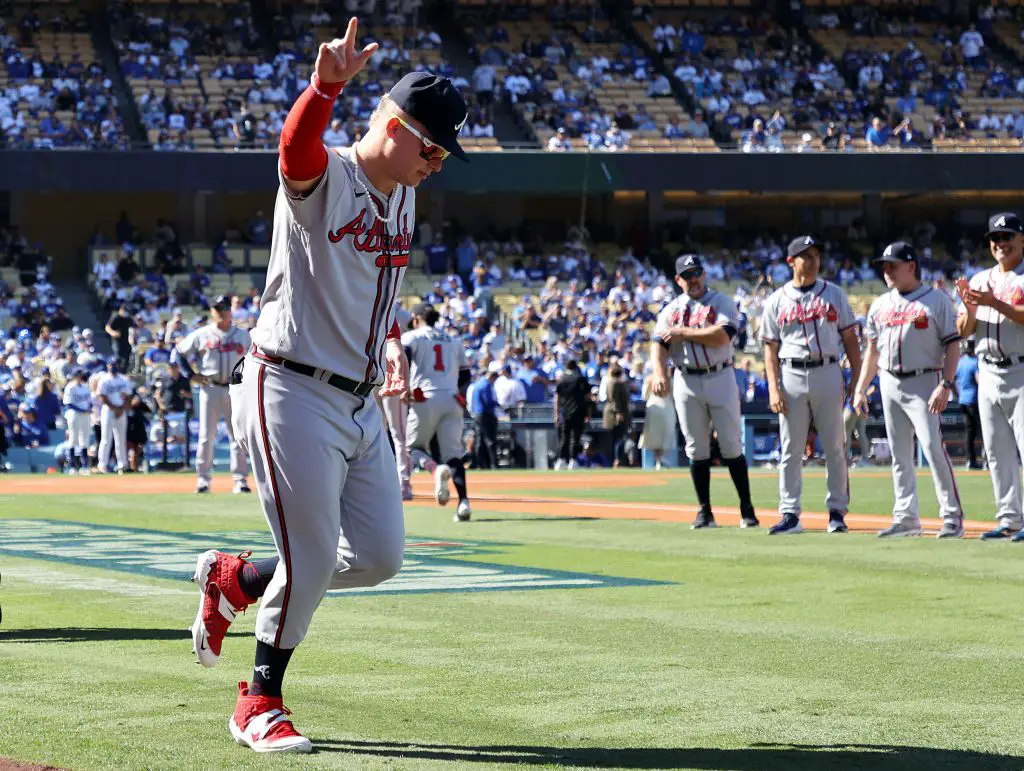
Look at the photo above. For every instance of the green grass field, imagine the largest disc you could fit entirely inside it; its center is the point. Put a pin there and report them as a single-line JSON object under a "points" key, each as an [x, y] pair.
{"points": [[743, 652]]}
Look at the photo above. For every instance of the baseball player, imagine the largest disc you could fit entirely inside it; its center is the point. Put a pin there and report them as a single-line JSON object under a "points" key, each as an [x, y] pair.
{"points": [[77, 406], [696, 331], [993, 311], [912, 338], [803, 325], [396, 412], [114, 392], [303, 399], [438, 370], [207, 356]]}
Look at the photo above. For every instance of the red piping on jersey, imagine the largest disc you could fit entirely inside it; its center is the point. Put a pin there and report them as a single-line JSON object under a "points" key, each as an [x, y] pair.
{"points": [[371, 340], [817, 338], [280, 508], [393, 291]]}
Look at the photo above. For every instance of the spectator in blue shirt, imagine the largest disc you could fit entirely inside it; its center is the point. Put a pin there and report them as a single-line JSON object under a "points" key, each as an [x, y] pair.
{"points": [[437, 255], [484, 406], [967, 396], [878, 134], [535, 383], [28, 431]]}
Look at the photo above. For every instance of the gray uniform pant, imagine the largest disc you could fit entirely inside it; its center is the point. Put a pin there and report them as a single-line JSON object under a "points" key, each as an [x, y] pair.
{"points": [[439, 416], [396, 412], [816, 393], [1001, 406], [703, 400], [214, 404], [329, 488], [905, 406]]}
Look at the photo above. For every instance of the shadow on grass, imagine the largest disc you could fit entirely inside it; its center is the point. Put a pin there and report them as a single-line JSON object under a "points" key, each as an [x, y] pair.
{"points": [[757, 757], [98, 634]]}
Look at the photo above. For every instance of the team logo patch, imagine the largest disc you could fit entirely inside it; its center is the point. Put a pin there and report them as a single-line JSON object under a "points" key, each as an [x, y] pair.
{"points": [[429, 566]]}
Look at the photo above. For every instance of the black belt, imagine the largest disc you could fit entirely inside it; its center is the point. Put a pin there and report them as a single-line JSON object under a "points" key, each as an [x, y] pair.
{"points": [[1003, 363], [338, 381], [911, 373], [809, 363], [708, 370]]}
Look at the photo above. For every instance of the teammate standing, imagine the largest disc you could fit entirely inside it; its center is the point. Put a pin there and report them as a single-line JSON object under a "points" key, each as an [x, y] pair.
{"points": [[803, 324], [696, 331], [207, 356], [912, 337], [113, 395], [396, 413], [993, 311], [78, 404], [438, 371], [303, 399]]}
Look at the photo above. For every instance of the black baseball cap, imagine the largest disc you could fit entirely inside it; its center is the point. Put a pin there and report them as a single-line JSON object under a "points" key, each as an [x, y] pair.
{"points": [[435, 102], [689, 263], [801, 244], [222, 302], [1007, 222], [898, 251]]}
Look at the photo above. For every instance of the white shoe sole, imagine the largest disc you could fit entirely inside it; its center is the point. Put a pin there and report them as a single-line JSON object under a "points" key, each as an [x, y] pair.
{"points": [[463, 515], [442, 475], [296, 744], [201, 578]]}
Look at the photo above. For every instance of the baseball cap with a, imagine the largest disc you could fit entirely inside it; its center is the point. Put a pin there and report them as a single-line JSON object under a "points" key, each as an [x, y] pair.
{"points": [[802, 244], [435, 102], [689, 264], [898, 251], [1007, 222]]}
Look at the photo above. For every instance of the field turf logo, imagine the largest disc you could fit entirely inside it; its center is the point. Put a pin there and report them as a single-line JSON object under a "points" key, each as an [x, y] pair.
{"points": [[429, 566]]}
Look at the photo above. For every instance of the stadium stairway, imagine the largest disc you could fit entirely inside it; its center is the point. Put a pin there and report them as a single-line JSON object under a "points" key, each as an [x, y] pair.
{"points": [[80, 303], [455, 44], [126, 105]]}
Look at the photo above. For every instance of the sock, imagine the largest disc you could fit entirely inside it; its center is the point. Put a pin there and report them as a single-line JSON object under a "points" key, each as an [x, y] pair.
{"points": [[256, 575], [268, 672], [459, 477], [75, 461], [740, 478], [700, 471]]}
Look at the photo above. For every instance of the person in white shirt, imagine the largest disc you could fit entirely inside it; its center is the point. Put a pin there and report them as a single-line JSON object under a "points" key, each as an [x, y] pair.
{"points": [[113, 394], [77, 406], [971, 46], [104, 269], [510, 391]]}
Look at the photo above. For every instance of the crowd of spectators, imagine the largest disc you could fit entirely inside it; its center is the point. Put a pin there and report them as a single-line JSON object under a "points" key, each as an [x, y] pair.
{"points": [[57, 99]]}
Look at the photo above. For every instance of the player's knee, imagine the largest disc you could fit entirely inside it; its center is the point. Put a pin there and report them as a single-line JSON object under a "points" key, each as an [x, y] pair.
{"points": [[384, 563]]}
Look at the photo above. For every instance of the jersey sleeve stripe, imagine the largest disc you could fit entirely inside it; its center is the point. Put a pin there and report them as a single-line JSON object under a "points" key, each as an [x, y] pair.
{"points": [[372, 337]]}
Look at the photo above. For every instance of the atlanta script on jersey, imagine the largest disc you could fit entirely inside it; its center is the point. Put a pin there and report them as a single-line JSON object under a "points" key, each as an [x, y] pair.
{"points": [[911, 331], [807, 324], [710, 309]]}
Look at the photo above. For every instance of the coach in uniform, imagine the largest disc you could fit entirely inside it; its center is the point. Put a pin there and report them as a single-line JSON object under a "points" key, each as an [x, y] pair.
{"points": [[208, 355], [993, 311], [696, 331], [912, 337], [803, 324]]}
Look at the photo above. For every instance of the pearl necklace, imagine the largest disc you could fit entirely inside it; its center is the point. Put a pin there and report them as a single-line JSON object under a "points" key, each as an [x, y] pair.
{"points": [[392, 212]]}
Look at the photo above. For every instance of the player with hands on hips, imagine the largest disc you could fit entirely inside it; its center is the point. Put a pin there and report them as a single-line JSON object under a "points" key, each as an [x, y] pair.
{"points": [[993, 311], [303, 400], [208, 356], [912, 339], [696, 331], [803, 325]]}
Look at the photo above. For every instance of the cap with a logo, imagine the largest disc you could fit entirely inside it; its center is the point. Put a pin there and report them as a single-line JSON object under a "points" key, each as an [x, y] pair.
{"points": [[689, 264], [222, 302], [802, 244], [898, 251], [1008, 222], [435, 102]]}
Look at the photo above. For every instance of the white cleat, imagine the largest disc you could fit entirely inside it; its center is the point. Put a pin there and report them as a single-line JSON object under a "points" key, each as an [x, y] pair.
{"points": [[463, 513], [240, 488], [442, 475]]}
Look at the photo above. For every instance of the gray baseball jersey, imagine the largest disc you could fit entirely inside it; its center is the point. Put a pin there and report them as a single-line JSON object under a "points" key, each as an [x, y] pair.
{"points": [[807, 324], [434, 361], [711, 309], [996, 336], [217, 351], [335, 272], [911, 331]]}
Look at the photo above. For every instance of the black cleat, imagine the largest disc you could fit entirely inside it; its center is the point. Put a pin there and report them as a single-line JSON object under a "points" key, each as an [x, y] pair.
{"points": [[705, 519], [748, 518], [837, 522]]}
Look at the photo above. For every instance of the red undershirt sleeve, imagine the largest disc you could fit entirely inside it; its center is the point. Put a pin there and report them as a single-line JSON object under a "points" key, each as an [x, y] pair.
{"points": [[302, 151], [395, 333]]}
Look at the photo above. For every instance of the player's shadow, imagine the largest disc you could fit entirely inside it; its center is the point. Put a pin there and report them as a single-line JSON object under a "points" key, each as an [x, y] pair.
{"points": [[97, 634], [757, 757]]}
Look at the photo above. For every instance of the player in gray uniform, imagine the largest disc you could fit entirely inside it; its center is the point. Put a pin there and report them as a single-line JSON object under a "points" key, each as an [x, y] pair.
{"points": [[207, 356], [303, 398], [803, 325], [912, 337], [695, 331], [438, 371], [396, 415], [993, 311]]}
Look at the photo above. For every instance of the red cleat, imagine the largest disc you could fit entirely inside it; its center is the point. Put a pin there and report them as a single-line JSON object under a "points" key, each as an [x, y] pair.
{"points": [[221, 600], [261, 723]]}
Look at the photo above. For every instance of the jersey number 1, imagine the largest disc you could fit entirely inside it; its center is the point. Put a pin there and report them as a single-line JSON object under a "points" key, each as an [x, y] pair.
{"points": [[438, 361]]}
